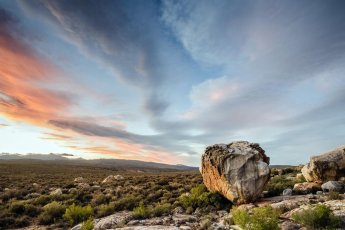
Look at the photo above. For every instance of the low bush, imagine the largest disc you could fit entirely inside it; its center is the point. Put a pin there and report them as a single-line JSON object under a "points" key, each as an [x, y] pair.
{"points": [[142, 211], [87, 225], [278, 184], [43, 200], [76, 214], [200, 197], [262, 218], [127, 203], [17, 207], [104, 210], [31, 210], [161, 209], [333, 195], [318, 217], [52, 212], [99, 199]]}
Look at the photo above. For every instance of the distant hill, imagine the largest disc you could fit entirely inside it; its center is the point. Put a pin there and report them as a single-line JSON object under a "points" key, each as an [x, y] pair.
{"points": [[117, 164]]}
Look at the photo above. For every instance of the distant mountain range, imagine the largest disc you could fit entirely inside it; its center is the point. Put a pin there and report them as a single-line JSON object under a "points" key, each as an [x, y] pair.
{"points": [[104, 163]]}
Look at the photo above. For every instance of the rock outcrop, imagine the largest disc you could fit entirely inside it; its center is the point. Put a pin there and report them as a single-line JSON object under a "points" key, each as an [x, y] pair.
{"points": [[238, 170], [329, 166], [111, 178]]}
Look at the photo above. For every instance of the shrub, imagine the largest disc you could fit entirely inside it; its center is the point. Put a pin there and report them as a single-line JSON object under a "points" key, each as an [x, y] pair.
{"points": [[200, 197], [17, 207], [142, 211], [262, 218], [52, 212], [76, 214], [332, 195], [31, 210], [240, 217], [277, 185], [87, 225], [126, 203], [318, 217], [82, 197], [99, 199], [161, 209], [43, 200], [104, 210]]}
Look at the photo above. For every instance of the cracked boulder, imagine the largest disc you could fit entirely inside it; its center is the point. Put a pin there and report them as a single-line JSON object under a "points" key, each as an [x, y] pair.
{"points": [[239, 170]]}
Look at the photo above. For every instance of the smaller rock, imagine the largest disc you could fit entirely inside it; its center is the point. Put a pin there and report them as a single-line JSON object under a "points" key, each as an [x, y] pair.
{"points": [[299, 176], [287, 192], [320, 193], [111, 178], [83, 186], [182, 219], [56, 192], [79, 180], [119, 177], [32, 195], [246, 207], [96, 187], [35, 185], [332, 186], [289, 225], [306, 187], [178, 210]]}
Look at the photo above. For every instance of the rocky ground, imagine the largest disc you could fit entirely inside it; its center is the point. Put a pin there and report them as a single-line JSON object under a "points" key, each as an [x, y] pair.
{"points": [[238, 170]]}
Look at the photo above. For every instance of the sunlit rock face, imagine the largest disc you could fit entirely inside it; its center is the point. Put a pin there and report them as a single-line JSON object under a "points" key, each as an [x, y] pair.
{"points": [[239, 170], [329, 166]]}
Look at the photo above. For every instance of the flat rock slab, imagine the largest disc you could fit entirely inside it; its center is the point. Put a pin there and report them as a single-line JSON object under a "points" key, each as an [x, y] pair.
{"points": [[154, 227]]}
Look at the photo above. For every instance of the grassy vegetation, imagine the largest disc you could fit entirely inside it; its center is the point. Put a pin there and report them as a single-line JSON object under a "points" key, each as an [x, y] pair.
{"points": [[261, 218], [317, 217], [25, 194]]}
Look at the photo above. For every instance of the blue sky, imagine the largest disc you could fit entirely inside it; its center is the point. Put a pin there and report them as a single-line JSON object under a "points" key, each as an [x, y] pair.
{"points": [[161, 80]]}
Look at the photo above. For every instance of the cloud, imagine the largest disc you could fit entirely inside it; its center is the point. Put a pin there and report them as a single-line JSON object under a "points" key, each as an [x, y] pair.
{"points": [[113, 34], [21, 97]]}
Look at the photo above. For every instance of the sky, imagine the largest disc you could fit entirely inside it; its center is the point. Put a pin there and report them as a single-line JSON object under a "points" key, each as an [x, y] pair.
{"points": [[161, 80]]}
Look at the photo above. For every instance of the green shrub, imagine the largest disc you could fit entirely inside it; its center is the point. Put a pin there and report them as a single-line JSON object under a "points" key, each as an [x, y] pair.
{"points": [[104, 210], [17, 207], [52, 212], [318, 217], [262, 218], [240, 217], [31, 210], [82, 197], [76, 214], [161, 209], [126, 203], [142, 211], [333, 195], [278, 184], [200, 197], [87, 225], [99, 199], [43, 200]]}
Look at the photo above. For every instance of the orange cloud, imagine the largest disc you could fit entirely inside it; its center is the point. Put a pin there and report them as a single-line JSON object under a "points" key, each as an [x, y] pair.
{"points": [[23, 97], [22, 72]]}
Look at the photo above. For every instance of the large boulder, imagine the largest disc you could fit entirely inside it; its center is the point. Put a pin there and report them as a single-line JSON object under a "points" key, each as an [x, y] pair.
{"points": [[329, 166], [238, 170]]}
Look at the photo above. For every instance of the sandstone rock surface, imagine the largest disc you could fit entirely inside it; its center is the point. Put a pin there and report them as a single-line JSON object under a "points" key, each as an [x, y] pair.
{"points": [[306, 187], [329, 166], [238, 170]]}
